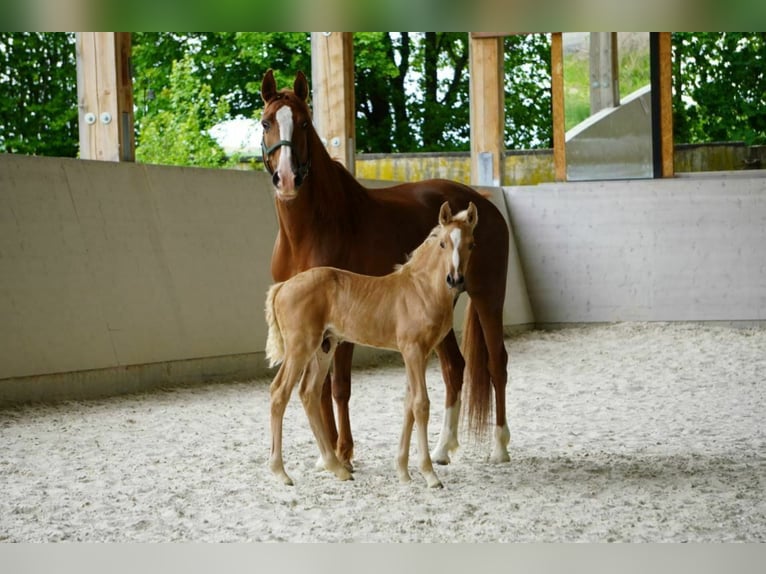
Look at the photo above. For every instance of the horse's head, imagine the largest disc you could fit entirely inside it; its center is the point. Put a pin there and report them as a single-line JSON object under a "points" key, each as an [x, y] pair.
{"points": [[456, 237], [286, 125]]}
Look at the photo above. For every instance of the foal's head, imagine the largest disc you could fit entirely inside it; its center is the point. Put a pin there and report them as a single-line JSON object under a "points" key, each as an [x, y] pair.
{"points": [[455, 235], [286, 122]]}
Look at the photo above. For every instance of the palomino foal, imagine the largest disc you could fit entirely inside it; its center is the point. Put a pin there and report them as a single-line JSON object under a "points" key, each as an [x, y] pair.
{"points": [[408, 310]]}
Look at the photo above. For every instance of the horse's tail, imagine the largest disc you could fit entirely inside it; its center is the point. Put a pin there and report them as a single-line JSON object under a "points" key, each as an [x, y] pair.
{"points": [[478, 383], [275, 344]]}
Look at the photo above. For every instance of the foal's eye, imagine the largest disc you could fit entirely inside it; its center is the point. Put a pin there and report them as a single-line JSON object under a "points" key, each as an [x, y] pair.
{"points": [[266, 125], [441, 244]]}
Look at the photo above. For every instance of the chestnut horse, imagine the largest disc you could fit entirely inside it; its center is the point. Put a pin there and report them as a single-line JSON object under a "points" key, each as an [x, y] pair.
{"points": [[326, 217], [409, 310]]}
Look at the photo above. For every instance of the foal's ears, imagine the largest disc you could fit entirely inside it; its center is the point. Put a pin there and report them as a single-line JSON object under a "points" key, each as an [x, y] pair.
{"points": [[445, 214], [268, 86], [301, 86], [471, 215]]}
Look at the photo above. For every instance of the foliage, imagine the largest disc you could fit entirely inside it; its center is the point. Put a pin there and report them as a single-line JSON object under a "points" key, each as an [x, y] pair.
{"points": [[719, 85], [38, 94], [176, 133], [528, 114], [411, 89]]}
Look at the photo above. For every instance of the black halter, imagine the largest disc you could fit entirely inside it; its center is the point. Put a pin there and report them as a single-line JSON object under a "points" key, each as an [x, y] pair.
{"points": [[303, 169]]}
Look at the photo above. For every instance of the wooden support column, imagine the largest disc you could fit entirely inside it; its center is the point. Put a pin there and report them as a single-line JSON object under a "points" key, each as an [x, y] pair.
{"points": [[666, 103], [487, 110], [105, 96], [333, 102], [604, 75], [557, 97]]}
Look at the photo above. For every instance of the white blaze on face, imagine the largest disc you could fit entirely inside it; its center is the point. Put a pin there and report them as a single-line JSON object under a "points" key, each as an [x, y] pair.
{"points": [[284, 167], [456, 236]]}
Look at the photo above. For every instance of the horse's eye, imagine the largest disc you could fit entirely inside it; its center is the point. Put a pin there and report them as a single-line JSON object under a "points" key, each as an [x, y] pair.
{"points": [[471, 246], [266, 125], [305, 124], [441, 244]]}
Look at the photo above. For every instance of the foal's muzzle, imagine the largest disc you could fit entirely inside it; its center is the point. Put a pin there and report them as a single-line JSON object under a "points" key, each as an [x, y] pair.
{"points": [[456, 283]]}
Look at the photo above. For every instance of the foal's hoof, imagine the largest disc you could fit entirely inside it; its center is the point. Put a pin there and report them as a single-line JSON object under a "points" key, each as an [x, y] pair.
{"points": [[343, 474], [434, 482]]}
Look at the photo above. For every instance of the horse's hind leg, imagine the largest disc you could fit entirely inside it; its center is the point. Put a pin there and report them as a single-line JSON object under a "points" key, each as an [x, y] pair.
{"points": [[310, 392], [280, 391], [491, 319], [452, 365]]}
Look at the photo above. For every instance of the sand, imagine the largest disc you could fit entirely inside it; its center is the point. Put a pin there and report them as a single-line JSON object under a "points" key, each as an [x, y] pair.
{"points": [[627, 432]]}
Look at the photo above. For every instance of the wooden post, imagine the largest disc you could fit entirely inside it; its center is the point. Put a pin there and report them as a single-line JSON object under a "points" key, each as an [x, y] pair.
{"points": [[604, 76], [557, 97], [333, 102], [105, 96], [487, 110], [666, 103]]}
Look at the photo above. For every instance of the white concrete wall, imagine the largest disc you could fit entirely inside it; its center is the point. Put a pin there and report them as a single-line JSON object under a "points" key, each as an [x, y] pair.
{"points": [[686, 249], [121, 277], [117, 277]]}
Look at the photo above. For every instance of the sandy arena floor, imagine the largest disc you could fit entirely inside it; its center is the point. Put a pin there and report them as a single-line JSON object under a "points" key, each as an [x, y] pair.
{"points": [[628, 432]]}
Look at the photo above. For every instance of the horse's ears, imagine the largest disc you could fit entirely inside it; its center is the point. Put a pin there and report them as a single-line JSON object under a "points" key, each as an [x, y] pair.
{"points": [[268, 86], [445, 214], [472, 215], [301, 86]]}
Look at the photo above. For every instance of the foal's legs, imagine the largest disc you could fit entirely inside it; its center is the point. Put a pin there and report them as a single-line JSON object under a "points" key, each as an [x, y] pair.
{"points": [[341, 392], [453, 365], [281, 389], [310, 392], [418, 412]]}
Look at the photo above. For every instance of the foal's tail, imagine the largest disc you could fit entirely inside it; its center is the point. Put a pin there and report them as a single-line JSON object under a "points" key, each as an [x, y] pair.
{"points": [[275, 344], [478, 383]]}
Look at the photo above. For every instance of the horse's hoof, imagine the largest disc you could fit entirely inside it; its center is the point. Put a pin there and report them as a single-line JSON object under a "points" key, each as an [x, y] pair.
{"points": [[500, 457], [442, 460]]}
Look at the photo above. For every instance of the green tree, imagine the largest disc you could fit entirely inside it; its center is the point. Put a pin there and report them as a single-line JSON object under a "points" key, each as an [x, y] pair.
{"points": [[176, 133], [719, 87], [528, 111], [38, 94]]}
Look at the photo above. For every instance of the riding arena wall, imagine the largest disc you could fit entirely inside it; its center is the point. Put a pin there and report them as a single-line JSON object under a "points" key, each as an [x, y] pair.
{"points": [[122, 277]]}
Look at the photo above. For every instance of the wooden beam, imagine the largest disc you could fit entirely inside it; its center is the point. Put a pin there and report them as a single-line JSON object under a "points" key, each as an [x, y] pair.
{"points": [[557, 97], [604, 73], [333, 102], [487, 110], [105, 96], [666, 103]]}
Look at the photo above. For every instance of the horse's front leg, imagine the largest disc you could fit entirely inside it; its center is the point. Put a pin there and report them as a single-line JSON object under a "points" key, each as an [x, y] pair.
{"points": [[341, 392], [452, 366]]}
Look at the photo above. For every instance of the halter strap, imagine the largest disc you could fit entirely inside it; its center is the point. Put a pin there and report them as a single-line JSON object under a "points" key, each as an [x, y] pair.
{"points": [[267, 150], [303, 169]]}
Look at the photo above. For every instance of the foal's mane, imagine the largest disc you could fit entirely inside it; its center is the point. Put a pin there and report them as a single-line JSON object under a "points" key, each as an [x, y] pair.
{"points": [[434, 234]]}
